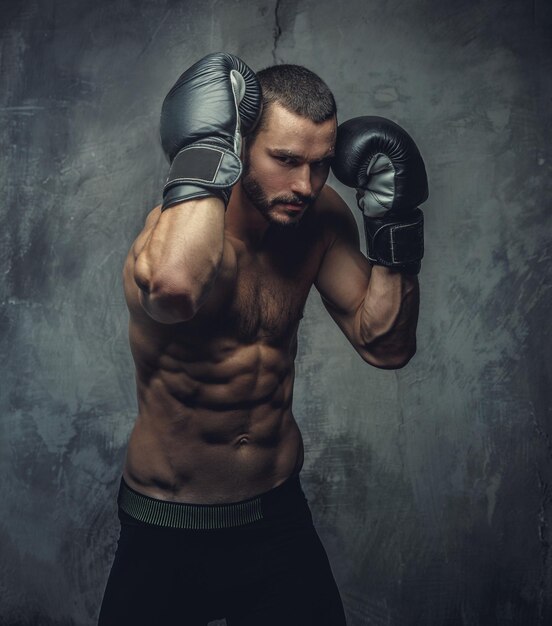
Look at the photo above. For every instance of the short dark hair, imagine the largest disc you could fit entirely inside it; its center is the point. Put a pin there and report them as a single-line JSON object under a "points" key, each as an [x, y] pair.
{"points": [[298, 90]]}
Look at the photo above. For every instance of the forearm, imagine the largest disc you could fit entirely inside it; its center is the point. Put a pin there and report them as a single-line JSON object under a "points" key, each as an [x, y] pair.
{"points": [[179, 261], [388, 318]]}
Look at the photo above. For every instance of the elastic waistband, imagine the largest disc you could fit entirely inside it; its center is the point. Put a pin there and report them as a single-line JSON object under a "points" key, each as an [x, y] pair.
{"points": [[287, 496]]}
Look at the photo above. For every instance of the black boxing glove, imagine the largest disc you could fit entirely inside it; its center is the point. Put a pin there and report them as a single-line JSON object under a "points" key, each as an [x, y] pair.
{"points": [[381, 160], [203, 118]]}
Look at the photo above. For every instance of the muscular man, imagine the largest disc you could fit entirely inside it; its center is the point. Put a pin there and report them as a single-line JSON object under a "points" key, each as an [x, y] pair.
{"points": [[214, 523]]}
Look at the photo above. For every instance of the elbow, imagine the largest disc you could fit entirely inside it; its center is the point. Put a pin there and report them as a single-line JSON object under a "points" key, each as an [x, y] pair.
{"points": [[389, 360], [163, 299], [168, 307], [399, 362]]}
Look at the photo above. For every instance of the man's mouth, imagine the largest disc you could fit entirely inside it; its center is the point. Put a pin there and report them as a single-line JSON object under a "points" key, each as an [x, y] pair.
{"points": [[293, 206]]}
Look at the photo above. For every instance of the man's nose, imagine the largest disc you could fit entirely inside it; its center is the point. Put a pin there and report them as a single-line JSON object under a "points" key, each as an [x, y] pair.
{"points": [[301, 183]]}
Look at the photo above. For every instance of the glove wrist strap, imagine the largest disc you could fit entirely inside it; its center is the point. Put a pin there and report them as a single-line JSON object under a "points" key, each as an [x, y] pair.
{"points": [[205, 168], [396, 241]]}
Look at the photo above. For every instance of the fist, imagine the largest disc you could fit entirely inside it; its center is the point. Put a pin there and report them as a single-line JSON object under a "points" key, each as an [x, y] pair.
{"points": [[203, 118], [381, 160]]}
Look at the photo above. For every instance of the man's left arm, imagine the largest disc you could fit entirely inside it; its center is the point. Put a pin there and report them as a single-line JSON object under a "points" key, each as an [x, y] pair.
{"points": [[375, 300], [375, 306]]}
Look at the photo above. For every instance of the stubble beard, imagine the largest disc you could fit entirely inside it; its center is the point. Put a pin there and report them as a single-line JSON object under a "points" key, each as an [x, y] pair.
{"points": [[257, 196]]}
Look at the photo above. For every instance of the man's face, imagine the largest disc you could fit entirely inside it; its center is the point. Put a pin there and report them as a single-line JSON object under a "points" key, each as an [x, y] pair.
{"points": [[287, 165]]}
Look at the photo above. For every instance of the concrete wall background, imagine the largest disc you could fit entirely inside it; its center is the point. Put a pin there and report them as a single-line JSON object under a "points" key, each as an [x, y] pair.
{"points": [[430, 485]]}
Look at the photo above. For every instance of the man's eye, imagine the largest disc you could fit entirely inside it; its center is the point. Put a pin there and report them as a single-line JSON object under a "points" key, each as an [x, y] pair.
{"points": [[286, 160]]}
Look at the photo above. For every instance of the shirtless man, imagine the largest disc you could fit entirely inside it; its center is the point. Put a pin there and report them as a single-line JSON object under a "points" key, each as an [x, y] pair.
{"points": [[214, 522]]}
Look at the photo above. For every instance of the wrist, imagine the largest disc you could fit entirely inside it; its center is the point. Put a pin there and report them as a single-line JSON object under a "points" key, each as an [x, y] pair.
{"points": [[204, 168], [396, 241], [389, 274]]}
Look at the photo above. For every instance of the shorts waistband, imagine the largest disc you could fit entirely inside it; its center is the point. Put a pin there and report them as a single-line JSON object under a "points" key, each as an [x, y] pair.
{"points": [[183, 515]]}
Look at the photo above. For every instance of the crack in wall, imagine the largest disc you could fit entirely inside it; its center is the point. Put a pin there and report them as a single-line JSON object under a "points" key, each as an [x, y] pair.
{"points": [[543, 435], [277, 32], [543, 524], [545, 544]]}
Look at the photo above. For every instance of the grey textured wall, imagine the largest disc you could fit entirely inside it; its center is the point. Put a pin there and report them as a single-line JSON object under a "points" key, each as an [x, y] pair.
{"points": [[431, 485]]}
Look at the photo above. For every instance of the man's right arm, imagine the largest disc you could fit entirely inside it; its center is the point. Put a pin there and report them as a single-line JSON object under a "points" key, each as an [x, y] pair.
{"points": [[177, 257], [203, 118]]}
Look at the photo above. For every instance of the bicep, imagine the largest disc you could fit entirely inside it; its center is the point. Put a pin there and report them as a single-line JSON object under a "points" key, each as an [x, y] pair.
{"points": [[344, 273]]}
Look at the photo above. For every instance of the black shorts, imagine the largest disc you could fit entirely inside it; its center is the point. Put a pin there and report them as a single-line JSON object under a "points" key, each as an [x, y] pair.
{"points": [[258, 562]]}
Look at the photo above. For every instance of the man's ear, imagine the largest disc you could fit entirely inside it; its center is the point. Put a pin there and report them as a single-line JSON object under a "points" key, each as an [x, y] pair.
{"points": [[244, 147]]}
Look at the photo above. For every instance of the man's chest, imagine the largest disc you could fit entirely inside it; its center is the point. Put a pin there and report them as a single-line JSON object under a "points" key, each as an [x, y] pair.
{"points": [[266, 302], [263, 294]]}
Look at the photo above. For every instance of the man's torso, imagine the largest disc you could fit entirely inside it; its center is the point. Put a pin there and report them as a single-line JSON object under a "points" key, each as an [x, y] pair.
{"points": [[215, 421]]}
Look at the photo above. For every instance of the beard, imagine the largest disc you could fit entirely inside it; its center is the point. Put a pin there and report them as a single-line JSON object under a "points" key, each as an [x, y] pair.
{"points": [[258, 197]]}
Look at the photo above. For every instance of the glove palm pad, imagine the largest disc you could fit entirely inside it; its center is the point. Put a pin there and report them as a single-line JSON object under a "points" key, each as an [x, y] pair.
{"points": [[379, 159], [203, 118]]}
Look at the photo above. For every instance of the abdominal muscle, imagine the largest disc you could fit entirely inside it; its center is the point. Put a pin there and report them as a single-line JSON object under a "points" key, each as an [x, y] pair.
{"points": [[214, 430]]}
